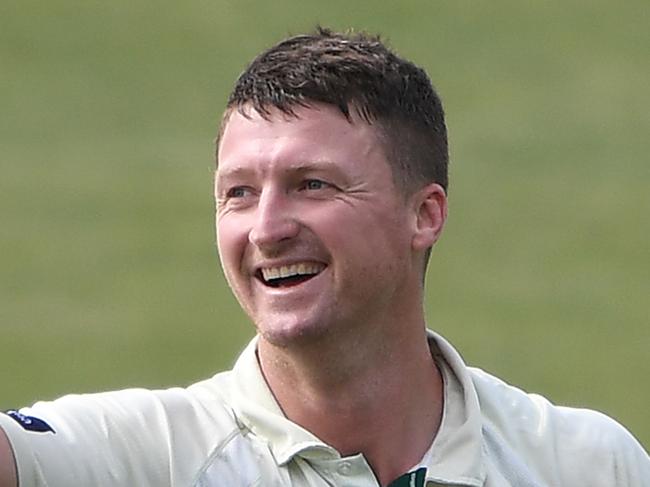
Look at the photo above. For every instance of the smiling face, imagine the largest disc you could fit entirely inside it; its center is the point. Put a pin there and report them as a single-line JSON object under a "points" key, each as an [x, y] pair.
{"points": [[313, 235]]}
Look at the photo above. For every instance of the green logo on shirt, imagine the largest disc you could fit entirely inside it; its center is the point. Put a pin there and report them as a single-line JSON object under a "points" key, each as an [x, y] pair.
{"points": [[411, 479]]}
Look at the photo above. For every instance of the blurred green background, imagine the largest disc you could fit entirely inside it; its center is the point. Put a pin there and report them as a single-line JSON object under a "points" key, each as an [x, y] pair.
{"points": [[109, 275]]}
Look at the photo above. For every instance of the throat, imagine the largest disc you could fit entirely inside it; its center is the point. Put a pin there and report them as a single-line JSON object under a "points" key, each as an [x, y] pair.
{"points": [[365, 411]]}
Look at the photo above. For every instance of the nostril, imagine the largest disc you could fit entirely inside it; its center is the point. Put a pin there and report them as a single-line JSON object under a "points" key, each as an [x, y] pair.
{"points": [[270, 232]]}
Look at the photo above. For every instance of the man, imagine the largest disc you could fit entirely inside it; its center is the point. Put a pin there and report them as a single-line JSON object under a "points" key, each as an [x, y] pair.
{"points": [[331, 190]]}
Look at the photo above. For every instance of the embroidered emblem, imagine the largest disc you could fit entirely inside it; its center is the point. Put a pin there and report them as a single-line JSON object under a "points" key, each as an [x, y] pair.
{"points": [[30, 423]]}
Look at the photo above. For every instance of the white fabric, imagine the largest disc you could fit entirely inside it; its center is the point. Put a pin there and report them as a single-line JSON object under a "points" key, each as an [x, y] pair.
{"points": [[229, 431]]}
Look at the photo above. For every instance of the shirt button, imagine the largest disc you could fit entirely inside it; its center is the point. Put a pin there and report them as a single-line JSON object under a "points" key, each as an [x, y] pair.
{"points": [[344, 468]]}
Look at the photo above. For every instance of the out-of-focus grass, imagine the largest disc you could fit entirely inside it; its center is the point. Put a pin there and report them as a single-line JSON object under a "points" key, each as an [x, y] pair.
{"points": [[109, 277]]}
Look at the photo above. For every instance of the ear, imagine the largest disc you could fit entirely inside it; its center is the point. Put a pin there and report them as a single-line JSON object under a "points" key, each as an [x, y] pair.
{"points": [[430, 210]]}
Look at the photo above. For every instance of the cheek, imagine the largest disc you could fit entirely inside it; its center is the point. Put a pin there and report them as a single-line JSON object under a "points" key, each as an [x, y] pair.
{"points": [[355, 236], [379, 241], [231, 243]]}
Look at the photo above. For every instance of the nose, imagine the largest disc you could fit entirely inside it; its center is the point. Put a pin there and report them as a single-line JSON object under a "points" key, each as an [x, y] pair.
{"points": [[275, 221]]}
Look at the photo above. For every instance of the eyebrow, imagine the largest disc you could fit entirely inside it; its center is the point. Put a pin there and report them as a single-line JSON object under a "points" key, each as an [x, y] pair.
{"points": [[235, 171]]}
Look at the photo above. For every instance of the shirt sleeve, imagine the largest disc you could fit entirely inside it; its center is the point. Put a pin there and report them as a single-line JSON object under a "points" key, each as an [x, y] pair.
{"points": [[599, 452], [632, 463], [109, 439]]}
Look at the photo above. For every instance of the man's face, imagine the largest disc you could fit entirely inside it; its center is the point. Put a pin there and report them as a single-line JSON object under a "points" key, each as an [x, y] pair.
{"points": [[313, 235]]}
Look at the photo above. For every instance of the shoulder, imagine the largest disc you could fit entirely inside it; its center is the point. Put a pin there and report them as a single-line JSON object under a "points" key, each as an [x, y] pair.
{"points": [[577, 444], [130, 436], [164, 411]]}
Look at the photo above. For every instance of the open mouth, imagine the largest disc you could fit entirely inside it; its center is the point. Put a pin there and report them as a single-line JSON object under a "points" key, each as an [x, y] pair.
{"points": [[289, 275]]}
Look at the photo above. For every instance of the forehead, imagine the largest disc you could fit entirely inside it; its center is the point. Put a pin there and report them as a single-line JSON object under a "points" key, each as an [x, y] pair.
{"points": [[318, 133]]}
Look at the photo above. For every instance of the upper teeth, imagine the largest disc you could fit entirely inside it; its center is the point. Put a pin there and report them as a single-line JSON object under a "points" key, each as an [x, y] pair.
{"points": [[303, 268]]}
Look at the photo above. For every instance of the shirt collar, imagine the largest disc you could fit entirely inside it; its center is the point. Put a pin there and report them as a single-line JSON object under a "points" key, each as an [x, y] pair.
{"points": [[256, 407], [455, 456]]}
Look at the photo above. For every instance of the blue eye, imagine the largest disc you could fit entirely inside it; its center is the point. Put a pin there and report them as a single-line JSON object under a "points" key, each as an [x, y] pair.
{"points": [[237, 192], [314, 184]]}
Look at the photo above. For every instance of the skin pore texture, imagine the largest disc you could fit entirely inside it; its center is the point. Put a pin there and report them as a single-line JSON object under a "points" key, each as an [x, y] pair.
{"points": [[326, 255]]}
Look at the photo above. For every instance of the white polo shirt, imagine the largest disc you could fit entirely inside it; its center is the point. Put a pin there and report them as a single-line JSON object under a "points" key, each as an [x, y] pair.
{"points": [[229, 431]]}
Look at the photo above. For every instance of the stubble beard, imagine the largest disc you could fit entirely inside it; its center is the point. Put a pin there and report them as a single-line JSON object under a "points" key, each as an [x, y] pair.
{"points": [[289, 332]]}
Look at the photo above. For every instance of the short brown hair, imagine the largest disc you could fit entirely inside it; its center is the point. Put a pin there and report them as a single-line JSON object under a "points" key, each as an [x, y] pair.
{"points": [[354, 71]]}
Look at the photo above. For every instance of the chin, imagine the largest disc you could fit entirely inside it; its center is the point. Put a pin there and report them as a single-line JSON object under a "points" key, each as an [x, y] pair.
{"points": [[288, 334]]}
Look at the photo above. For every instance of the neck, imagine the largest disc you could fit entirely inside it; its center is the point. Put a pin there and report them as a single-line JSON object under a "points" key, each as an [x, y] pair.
{"points": [[343, 392]]}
